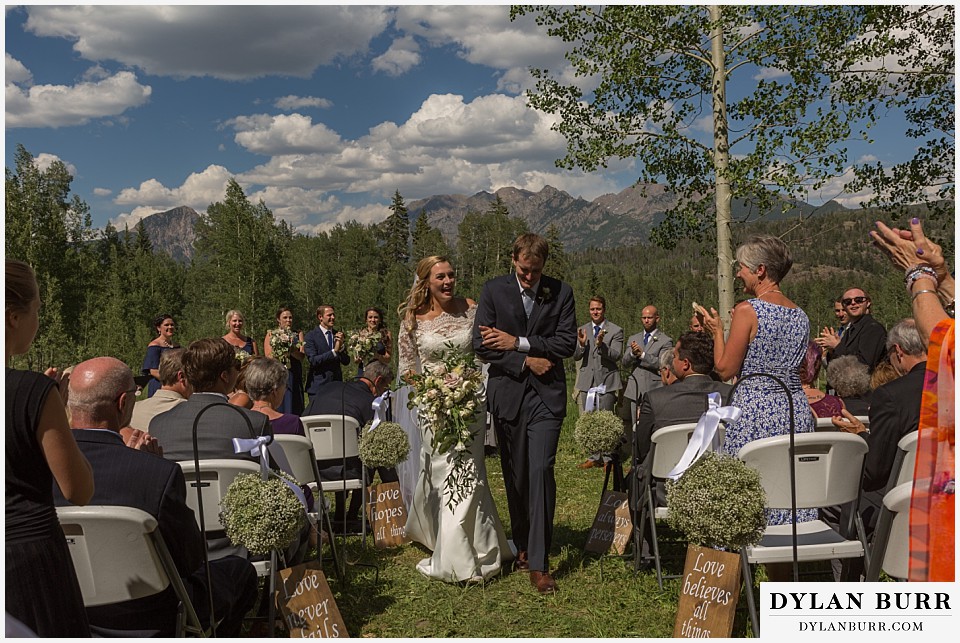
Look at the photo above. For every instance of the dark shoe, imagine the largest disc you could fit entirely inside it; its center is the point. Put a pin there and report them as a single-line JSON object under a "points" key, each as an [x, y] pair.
{"points": [[589, 464], [521, 564], [544, 582]]}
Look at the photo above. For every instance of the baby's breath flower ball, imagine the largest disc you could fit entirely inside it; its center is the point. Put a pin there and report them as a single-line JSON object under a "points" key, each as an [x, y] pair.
{"points": [[261, 515], [718, 502], [598, 432], [385, 446]]}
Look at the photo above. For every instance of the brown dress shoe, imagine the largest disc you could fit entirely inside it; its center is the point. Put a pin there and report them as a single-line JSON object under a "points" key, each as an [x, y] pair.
{"points": [[544, 582], [521, 564]]}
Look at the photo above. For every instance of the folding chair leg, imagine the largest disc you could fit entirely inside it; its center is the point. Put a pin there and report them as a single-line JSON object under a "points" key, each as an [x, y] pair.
{"points": [[654, 544], [748, 590]]}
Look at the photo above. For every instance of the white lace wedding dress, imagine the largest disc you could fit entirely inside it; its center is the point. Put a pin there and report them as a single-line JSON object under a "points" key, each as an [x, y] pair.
{"points": [[468, 543]]}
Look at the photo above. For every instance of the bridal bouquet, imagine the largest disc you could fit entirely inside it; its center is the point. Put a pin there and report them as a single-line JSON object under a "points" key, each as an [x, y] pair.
{"points": [[361, 347], [281, 341], [449, 396]]}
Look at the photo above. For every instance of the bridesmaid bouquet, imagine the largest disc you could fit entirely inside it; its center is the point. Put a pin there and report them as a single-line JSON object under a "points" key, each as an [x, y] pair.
{"points": [[361, 347], [281, 341], [449, 396], [243, 357]]}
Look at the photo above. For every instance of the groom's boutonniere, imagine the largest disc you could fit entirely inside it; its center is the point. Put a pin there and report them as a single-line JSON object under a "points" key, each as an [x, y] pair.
{"points": [[545, 295]]}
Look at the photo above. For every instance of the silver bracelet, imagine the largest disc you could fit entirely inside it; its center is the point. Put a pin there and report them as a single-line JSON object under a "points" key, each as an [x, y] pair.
{"points": [[920, 292]]}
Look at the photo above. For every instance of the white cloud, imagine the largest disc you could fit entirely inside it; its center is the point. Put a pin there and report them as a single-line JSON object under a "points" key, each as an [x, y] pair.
{"points": [[296, 205], [291, 103], [367, 214], [770, 73], [15, 72], [63, 105], [403, 55], [43, 161], [229, 42], [102, 191], [283, 134], [199, 190]]}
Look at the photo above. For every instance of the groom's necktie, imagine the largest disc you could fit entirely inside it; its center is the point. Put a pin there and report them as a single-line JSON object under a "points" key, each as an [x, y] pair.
{"points": [[330, 339], [527, 301]]}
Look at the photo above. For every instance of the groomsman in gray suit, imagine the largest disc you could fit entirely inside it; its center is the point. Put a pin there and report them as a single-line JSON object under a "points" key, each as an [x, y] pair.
{"points": [[642, 357], [599, 346]]}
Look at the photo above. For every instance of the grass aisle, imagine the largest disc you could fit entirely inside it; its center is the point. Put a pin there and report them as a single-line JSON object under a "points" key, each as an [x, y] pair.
{"points": [[597, 597]]}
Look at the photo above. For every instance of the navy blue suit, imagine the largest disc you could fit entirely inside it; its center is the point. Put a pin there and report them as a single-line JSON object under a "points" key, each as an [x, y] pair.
{"points": [[325, 364], [528, 409], [129, 478]]}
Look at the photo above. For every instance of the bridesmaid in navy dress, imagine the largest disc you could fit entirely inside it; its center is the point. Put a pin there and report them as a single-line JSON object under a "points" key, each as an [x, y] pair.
{"points": [[293, 398], [235, 336], [166, 327]]}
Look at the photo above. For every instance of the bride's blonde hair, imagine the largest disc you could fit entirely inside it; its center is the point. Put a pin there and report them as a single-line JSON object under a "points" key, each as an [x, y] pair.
{"points": [[419, 292]]}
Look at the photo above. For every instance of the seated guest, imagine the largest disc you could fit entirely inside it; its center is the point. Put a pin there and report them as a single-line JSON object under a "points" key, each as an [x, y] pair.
{"points": [[851, 380], [895, 407], [239, 396], [667, 376], [822, 405], [174, 390], [210, 366], [884, 373], [355, 400], [686, 399], [266, 383], [101, 402]]}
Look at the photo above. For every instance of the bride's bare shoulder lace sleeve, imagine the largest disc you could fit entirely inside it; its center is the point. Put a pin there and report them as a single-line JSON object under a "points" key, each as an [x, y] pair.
{"points": [[408, 352]]}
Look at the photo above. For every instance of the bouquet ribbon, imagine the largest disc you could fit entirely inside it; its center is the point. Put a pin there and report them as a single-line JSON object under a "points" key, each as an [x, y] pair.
{"points": [[593, 398], [705, 436], [380, 406]]}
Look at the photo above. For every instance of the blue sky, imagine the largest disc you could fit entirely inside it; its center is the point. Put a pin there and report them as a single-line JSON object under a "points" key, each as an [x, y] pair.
{"points": [[321, 111]]}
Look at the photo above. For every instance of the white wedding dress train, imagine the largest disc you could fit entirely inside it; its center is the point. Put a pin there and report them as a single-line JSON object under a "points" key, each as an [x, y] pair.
{"points": [[468, 542]]}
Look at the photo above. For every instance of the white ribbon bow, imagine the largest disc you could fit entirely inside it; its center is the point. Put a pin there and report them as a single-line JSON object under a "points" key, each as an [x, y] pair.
{"points": [[705, 436], [593, 398], [255, 447], [380, 406]]}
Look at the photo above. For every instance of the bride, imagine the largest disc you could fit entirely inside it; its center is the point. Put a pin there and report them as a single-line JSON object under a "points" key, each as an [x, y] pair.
{"points": [[468, 542]]}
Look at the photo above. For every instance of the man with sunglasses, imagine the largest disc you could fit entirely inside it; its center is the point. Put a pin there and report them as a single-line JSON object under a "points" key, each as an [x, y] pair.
{"points": [[864, 337]]}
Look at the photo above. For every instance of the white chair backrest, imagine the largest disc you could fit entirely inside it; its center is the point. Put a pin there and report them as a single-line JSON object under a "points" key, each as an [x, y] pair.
{"points": [[907, 444], [671, 442], [828, 468], [299, 452], [826, 424], [896, 556], [333, 436], [216, 475], [113, 553]]}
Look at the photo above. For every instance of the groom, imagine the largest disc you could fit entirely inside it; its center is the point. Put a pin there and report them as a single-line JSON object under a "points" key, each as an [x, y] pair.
{"points": [[524, 328]]}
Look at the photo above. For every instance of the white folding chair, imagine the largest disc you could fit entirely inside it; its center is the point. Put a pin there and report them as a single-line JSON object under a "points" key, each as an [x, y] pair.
{"points": [[336, 437], [215, 478], [119, 555], [826, 424], [828, 467], [890, 550], [667, 446], [905, 461]]}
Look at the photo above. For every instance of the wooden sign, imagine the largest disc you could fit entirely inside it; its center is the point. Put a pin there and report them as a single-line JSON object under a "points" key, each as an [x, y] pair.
{"points": [[307, 605], [388, 515], [709, 594], [612, 527]]}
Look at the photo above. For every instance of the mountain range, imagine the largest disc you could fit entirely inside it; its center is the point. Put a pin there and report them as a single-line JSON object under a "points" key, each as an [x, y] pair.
{"points": [[609, 221]]}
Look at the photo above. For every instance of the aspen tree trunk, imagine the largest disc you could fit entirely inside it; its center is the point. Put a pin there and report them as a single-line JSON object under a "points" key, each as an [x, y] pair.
{"points": [[721, 155]]}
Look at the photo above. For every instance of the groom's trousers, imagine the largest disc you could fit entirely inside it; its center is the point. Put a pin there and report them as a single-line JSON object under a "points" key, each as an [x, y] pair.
{"points": [[528, 452]]}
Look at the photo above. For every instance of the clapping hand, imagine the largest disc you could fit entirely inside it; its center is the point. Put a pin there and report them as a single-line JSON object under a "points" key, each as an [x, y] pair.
{"points": [[710, 321], [61, 378], [828, 338], [338, 342], [637, 349], [603, 331], [141, 441], [908, 248], [582, 336]]}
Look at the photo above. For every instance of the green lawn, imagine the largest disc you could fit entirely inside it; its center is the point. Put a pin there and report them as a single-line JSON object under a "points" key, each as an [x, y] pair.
{"points": [[597, 597]]}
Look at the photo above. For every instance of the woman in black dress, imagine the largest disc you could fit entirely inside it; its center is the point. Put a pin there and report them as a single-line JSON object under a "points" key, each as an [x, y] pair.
{"points": [[165, 327], [41, 585]]}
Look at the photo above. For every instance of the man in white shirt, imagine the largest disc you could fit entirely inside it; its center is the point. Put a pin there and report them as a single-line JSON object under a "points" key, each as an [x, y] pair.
{"points": [[174, 390]]}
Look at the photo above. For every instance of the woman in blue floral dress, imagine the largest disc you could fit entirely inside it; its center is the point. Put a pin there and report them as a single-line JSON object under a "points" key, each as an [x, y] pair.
{"points": [[768, 334]]}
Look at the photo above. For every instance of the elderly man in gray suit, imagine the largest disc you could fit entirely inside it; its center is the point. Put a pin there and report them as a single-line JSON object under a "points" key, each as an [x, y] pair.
{"points": [[642, 358]]}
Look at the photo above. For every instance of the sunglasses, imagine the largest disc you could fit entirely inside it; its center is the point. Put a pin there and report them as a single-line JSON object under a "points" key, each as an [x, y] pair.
{"points": [[852, 300]]}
